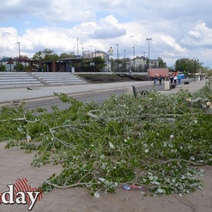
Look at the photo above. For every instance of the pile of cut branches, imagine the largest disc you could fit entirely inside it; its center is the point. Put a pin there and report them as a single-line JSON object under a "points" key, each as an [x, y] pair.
{"points": [[155, 141]]}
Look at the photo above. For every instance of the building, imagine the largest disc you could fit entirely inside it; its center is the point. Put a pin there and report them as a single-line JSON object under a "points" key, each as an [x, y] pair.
{"points": [[87, 54], [154, 63], [139, 64], [101, 54], [8, 63]]}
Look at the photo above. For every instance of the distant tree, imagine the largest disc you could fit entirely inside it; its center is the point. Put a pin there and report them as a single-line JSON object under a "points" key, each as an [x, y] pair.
{"points": [[50, 55], [45, 55], [186, 65], [19, 67], [66, 55], [99, 63], [38, 56], [112, 62], [2, 67], [162, 64]]}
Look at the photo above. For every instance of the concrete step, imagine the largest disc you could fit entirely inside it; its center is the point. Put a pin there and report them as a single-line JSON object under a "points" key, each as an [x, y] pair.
{"points": [[21, 79]]}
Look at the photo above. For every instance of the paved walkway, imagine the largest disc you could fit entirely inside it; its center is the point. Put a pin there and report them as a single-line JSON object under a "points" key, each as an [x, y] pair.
{"points": [[192, 86], [8, 95], [15, 163]]}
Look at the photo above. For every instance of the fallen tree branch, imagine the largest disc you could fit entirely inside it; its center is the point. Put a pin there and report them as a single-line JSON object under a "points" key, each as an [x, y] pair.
{"points": [[19, 119], [61, 141], [92, 115], [69, 186], [183, 160]]}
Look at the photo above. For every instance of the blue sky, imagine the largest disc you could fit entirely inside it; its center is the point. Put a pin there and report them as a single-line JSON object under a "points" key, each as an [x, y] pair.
{"points": [[179, 29]]}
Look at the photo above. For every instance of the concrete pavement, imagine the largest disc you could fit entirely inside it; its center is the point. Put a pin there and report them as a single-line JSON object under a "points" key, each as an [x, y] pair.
{"points": [[191, 87], [8, 95], [16, 94]]}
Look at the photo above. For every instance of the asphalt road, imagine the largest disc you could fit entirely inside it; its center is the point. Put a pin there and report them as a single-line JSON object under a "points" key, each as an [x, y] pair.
{"points": [[97, 97]]}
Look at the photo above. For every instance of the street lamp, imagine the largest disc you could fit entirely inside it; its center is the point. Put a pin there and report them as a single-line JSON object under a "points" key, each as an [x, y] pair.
{"points": [[148, 40], [196, 60], [82, 63], [125, 60], [110, 53], [144, 61], [19, 54], [82, 51], [1, 61], [134, 58], [117, 57]]}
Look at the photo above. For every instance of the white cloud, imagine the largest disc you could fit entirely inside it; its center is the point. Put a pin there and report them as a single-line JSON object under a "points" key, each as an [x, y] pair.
{"points": [[107, 28], [171, 42], [177, 28], [194, 33]]}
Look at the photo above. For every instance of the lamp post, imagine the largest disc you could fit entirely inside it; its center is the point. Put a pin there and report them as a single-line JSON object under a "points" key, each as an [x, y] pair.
{"points": [[117, 57], [82, 59], [110, 53], [19, 54], [148, 40], [196, 60], [144, 61], [125, 60], [1, 61], [82, 51], [134, 58]]}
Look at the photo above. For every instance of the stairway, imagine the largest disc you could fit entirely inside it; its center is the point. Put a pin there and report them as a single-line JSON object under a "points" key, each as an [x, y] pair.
{"points": [[57, 78], [17, 79], [31, 79]]}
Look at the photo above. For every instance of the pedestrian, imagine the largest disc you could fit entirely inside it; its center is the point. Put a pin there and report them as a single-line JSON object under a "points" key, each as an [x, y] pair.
{"points": [[179, 79], [171, 80], [175, 79], [130, 72], [155, 80], [160, 79]]}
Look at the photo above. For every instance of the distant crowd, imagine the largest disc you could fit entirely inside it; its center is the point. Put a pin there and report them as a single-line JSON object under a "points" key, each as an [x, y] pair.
{"points": [[174, 79]]}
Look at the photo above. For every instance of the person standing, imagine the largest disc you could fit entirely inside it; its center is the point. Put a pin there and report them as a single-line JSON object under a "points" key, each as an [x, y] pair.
{"points": [[160, 79], [171, 80], [175, 79], [155, 80], [179, 79]]}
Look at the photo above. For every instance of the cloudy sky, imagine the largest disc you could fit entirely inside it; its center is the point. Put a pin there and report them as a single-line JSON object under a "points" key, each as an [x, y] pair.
{"points": [[178, 28]]}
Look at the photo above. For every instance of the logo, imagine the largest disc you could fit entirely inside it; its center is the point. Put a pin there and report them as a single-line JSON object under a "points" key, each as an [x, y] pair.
{"points": [[21, 193]]}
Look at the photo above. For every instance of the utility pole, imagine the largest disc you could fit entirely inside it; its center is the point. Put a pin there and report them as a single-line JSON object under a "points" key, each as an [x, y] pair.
{"points": [[148, 40], [134, 59], [144, 62], [1, 61], [124, 60], [117, 57], [110, 53], [196, 60], [19, 54], [77, 48]]}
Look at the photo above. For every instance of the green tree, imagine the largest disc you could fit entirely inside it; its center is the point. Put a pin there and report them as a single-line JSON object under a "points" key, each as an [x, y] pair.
{"points": [[99, 63], [19, 67], [2, 67], [50, 55], [45, 55], [161, 64], [38, 56], [66, 55], [186, 65]]}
